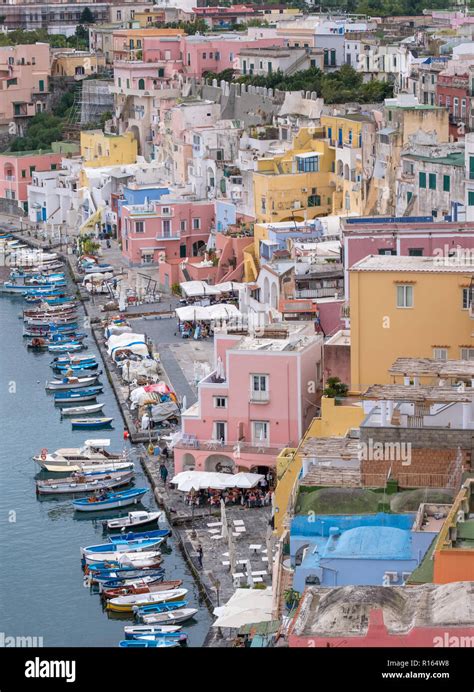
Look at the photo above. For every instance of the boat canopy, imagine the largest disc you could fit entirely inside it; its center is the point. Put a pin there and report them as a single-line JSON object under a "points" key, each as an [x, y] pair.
{"points": [[97, 443]]}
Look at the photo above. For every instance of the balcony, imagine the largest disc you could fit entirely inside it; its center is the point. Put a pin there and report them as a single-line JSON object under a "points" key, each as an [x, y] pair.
{"points": [[259, 397], [237, 448]]}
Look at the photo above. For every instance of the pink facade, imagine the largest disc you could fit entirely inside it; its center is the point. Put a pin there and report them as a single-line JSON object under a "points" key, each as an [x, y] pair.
{"points": [[165, 230], [24, 77], [428, 239], [241, 422], [217, 53], [16, 172], [162, 48], [141, 76]]}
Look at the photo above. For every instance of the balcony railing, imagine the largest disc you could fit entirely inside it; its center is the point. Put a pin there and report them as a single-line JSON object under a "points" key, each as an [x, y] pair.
{"points": [[236, 448], [259, 397]]}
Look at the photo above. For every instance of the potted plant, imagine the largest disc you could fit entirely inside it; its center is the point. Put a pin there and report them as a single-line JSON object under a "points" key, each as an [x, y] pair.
{"points": [[292, 598]]}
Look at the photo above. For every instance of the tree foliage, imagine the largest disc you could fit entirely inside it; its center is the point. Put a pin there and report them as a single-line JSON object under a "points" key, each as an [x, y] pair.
{"points": [[43, 129], [335, 388], [341, 86]]}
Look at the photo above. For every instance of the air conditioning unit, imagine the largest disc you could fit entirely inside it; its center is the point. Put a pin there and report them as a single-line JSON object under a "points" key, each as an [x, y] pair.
{"points": [[304, 189], [392, 577]]}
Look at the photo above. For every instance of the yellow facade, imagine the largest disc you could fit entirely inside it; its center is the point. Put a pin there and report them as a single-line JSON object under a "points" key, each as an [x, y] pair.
{"points": [[334, 420], [77, 63], [381, 331], [99, 149], [345, 136], [299, 184]]}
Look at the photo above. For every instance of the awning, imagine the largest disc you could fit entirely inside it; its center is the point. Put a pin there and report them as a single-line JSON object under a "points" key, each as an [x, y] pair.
{"points": [[308, 155], [245, 607], [198, 288], [386, 131]]}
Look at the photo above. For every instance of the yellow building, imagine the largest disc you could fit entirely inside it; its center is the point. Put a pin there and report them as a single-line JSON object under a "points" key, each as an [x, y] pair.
{"points": [[99, 149], [352, 137], [335, 420], [299, 184], [76, 63], [415, 307]]}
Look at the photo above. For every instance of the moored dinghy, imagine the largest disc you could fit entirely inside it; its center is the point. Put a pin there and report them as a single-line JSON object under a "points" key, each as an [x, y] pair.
{"points": [[127, 603], [112, 501], [73, 395], [132, 630], [138, 588], [134, 519], [82, 484], [82, 410], [170, 617], [101, 551], [71, 382], [139, 560], [91, 423], [151, 644]]}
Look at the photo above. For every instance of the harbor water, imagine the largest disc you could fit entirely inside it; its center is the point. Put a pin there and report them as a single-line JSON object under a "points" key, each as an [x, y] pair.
{"points": [[41, 580]]}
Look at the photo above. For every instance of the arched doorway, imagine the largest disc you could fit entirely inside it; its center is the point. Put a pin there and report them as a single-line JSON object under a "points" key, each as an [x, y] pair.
{"points": [[274, 295], [266, 291], [220, 463], [189, 462], [141, 84]]}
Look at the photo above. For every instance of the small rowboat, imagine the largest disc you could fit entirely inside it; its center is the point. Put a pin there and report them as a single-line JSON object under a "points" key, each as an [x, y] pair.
{"points": [[114, 572], [70, 486], [180, 637], [112, 501], [80, 410], [150, 644], [140, 630], [127, 603], [102, 550], [67, 359], [139, 560], [134, 519], [137, 588], [164, 607], [91, 423], [66, 347], [159, 533], [122, 583], [76, 367], [170, 617], [71, 382], [74, 395]]}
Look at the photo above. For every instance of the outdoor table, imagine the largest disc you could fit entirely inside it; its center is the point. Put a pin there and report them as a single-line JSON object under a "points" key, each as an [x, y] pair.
{"points": [[255, 547]]}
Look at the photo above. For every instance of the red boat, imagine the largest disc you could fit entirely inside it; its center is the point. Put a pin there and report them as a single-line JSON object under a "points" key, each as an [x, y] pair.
{"points": [[145, 588]]}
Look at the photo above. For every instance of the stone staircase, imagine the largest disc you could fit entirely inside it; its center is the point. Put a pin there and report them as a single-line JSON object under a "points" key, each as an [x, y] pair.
{"points": [[333, 477]]}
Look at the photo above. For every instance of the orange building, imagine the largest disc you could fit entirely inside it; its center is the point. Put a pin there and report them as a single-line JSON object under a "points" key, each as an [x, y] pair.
{"points": [[453, 554]]}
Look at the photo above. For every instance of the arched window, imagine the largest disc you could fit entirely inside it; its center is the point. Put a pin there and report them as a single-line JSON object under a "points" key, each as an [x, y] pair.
{"points": [[141, 84]]}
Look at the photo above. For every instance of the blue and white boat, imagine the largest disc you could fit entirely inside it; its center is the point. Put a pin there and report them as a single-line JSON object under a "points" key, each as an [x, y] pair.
{"points": [[66, 359], [180, 637], [139, 560], [72, 382], [112, 577], [73, 395], [141, 630], [91, 423], [86, 365], [112, 501], [150, 644], [160, 607], [122, 546], [158, 533], [66, 347]]}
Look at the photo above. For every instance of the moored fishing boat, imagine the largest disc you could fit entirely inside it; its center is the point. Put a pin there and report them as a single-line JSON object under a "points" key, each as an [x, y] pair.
{"points": [[82, 410], [112, 501], [170, 617], [128, 603], [102, 550], [91, 423], [132, 630], [86, 365], [74, 395], [72, 382], [144, 560], [120, 575], [73, 359], [83, 485], [140, 588], [66, 347], [158, 533], [133, 519], [180, 637], [150, 644], [94, 450]]}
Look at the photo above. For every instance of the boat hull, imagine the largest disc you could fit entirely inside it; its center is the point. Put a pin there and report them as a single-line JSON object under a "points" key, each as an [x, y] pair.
{"points": [[45, 488], [118, 501]]}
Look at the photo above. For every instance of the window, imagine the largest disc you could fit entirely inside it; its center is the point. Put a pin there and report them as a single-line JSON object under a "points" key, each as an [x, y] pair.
{"points": [[54, 166], [165, 211], [422, 179], [259, 388], [471, 168], [141, 84], [314, 201], [448, 101], [440, 353], [308, 164], [470, 199], [32, 170], [432, 181], [41, 85], [466, 298], [220, 402], [217, 55], [182, 225], [211, 55], [196, 224], [260, 433], [455, 106], [166, 226], [23, 173], [415, 252], [384, 251], [139, 227], [446, 183], [220, 431], [204, 56], [404, 296], [467, 353], [161, 72]]}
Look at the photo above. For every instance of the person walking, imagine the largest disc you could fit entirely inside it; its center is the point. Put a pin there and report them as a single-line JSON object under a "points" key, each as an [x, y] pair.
{"points": [[163, 473], [200, 553]]}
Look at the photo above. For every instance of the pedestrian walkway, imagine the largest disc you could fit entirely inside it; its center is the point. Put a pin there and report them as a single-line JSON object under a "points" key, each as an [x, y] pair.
{"points": [[176, 376]]}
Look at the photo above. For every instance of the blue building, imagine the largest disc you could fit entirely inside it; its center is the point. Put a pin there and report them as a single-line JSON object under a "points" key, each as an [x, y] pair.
{"points": [[341, 550], [226, 215], [139, 195]]}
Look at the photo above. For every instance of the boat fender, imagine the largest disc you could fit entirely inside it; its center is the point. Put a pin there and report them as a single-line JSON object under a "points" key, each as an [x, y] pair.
{"points": [[44, 452]]}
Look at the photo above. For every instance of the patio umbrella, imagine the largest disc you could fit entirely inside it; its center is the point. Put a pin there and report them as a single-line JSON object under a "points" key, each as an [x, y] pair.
{"points": [[231, 549], [248, 567], [269, 547], [245, 480], [225, 526]]}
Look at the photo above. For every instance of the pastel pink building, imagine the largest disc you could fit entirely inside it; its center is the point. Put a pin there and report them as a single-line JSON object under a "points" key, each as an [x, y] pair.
{"points": [[16, 170], [217, 53], [406, 237], [168, 229], [260, 398], [24, 82]]}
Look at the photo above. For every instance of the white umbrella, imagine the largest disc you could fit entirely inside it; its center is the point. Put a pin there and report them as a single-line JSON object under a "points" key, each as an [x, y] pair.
{"points": [[248, 567], [220, 369], [269, 547], [245, 480], [224, 524], [231, 549], [184, 403], [189, 484]]}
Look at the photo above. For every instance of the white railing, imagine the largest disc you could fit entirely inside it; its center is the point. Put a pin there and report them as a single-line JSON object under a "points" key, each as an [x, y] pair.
{"points": [[259, 396]]}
